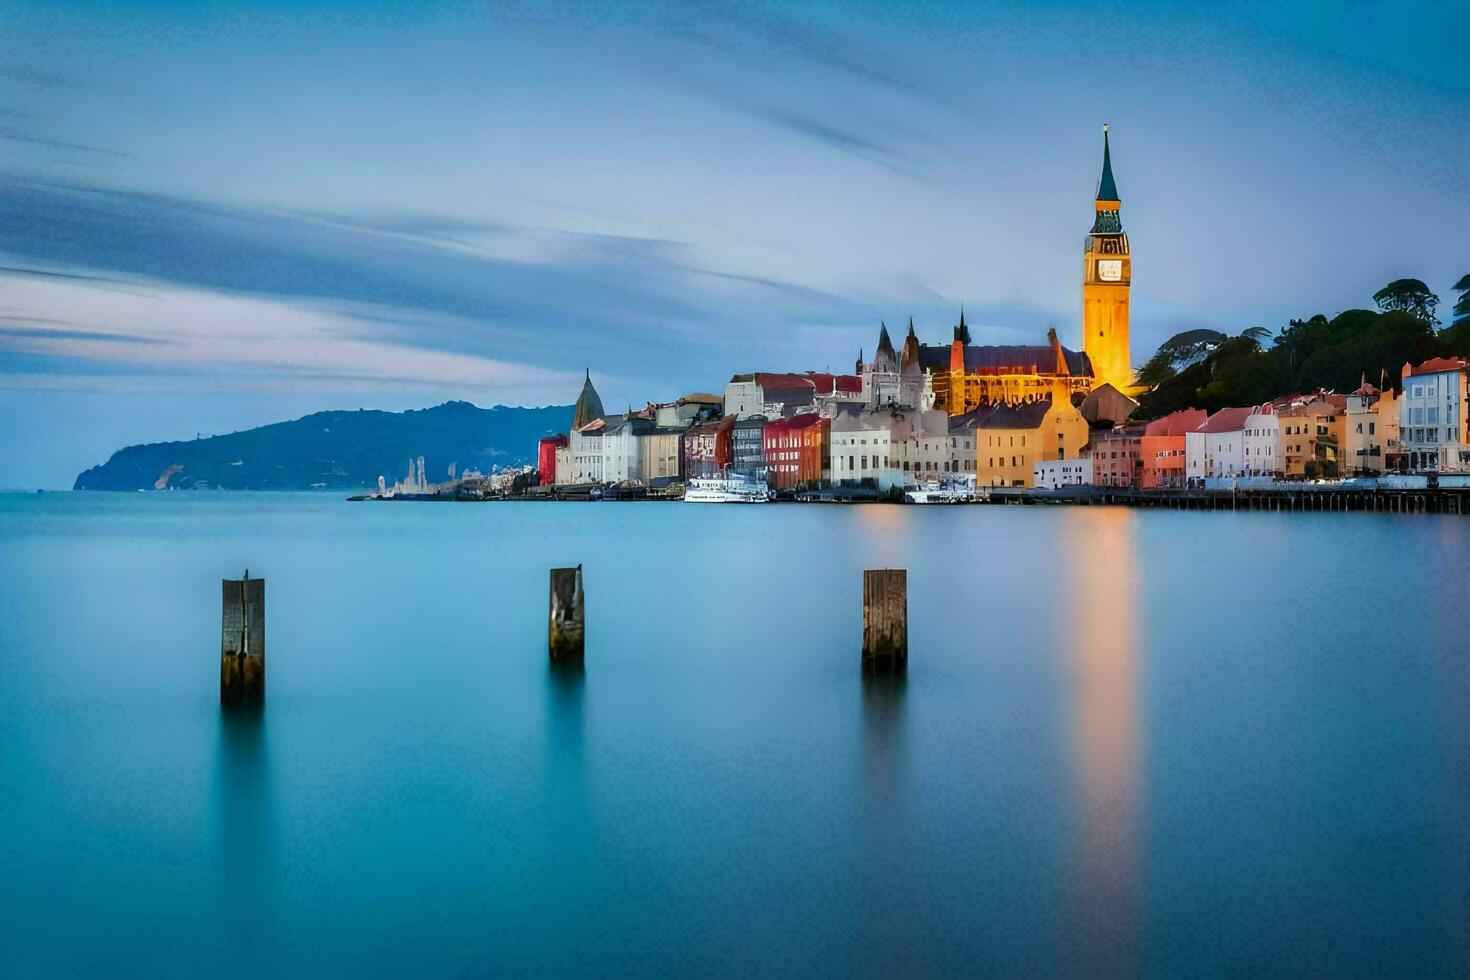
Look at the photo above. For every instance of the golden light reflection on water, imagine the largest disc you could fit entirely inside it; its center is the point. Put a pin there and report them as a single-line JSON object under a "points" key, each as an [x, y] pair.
{"points": [[1105, 739]]}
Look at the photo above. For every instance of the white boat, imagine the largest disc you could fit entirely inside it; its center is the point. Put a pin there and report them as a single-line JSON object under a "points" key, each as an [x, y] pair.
{"points": [[734, 491], [940, 493]]}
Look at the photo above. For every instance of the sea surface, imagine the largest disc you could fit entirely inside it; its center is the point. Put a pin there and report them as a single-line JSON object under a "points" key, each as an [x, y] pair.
{"points": [[1128, 742]]}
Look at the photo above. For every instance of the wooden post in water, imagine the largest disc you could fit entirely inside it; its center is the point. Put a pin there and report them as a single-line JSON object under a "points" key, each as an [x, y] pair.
{"points": [[885, 619], [568, 625], [242, 642]]}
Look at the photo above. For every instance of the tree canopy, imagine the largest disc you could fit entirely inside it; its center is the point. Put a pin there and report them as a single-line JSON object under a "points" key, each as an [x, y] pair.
{"points": [[1461, 312], [1410, 296]]}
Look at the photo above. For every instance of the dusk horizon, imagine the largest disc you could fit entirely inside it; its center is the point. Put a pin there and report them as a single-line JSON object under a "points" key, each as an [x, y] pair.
{"points": [[271, 215]]}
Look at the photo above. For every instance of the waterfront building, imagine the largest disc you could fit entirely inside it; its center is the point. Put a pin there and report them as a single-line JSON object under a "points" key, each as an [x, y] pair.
{"points": [[565, 471], [1107, 276], [964, 377], [1162, 448], [1053, 474], [1116, 455], [863, 448], [619, 445], [660, 453], [1433, 413], [1311, 434], [1216, 449], [1010, 439], [1262, 442], [546, 457], [783, 395], [798, 451], [707, 449], [1370, 432], [585, 444], [889, 447], [748, 447], [960, 461]]}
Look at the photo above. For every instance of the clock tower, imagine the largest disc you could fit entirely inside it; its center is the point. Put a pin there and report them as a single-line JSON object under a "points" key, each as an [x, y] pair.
{"points": [[1107, 271]]}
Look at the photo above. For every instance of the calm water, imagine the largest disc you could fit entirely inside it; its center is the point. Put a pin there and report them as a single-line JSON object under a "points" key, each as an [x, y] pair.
{"points": [[1129, 742]]}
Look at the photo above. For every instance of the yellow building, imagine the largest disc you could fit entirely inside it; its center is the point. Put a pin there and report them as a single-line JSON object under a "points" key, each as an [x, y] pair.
{"points": [[1312, 436], [1010, 439], [966, 377], [1107, 275]]}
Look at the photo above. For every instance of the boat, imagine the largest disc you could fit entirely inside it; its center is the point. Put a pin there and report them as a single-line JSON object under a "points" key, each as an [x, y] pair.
{"points": [[731, 491], [934, 492]]}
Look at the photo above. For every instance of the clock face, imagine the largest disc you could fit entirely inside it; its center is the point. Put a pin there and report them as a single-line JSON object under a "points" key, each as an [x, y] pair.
{"points": [[1110, 270]]}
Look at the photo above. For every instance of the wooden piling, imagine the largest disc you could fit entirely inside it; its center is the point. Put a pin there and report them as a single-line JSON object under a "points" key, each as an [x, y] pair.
{"points": [[242, 642], [885, 619], [568, 625]]}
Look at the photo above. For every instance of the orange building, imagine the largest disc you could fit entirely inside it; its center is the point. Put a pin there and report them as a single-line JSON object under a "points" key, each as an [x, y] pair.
{"points": [[1162, 448]]}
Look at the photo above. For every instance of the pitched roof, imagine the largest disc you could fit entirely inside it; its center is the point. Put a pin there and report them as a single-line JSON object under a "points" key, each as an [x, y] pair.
{"points": [[1017, 415], [1437, 364], [1006, 359], [1226, 420], [1177, 423]]}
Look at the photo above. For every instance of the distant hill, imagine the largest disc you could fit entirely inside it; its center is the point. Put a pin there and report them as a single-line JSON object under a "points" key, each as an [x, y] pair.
{"points": [[336, 450]]}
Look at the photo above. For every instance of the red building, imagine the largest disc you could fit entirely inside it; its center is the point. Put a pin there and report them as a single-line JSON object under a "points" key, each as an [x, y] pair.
{"points": [[1162, 448], [546, 457], [798, 451]]}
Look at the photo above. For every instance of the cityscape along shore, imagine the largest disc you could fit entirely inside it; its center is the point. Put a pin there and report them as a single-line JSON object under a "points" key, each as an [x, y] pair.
{"points": [[961, 422]]}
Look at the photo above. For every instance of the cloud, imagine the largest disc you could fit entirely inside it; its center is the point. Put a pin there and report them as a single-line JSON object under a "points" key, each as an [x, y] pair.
{"points": [[283, 294]]}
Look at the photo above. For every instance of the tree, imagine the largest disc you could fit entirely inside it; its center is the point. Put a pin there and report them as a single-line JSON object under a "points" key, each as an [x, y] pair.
{"points": [[1410, 296], [1177, 353], [1461, 312]]}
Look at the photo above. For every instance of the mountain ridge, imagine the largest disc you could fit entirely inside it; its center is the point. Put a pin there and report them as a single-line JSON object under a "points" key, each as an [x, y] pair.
{"points": [[341, 449]]}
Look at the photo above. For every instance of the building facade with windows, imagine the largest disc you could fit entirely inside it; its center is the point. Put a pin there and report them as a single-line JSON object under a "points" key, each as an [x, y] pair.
{"points": [[1432, 416], [1370, 431], [1010, 439], [1262, 442], [1162, 448], [1216, 449]]}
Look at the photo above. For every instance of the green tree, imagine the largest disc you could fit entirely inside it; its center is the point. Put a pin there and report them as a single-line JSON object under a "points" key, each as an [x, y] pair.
{"points": [[1410, 296]]}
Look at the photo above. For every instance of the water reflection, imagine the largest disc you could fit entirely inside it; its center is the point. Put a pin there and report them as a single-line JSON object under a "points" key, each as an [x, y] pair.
{"points": [[245, 828], [1105, 738], [565, 741], [883, 700]]}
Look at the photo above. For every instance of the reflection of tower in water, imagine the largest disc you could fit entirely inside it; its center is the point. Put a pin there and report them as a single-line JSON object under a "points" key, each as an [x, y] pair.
{"points": [[1105, 739]]}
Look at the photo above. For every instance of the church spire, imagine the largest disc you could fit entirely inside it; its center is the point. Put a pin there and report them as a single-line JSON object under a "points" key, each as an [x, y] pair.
{"points": [[1107, 190], [962, 332]]}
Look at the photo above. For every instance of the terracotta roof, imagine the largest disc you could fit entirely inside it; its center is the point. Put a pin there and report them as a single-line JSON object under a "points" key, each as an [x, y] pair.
{"points": [[1177, 423], [1226, 420], [1437, 364]]}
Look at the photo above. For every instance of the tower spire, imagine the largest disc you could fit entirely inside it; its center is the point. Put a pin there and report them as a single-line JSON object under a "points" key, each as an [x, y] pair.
{"points": [[1107, 189]]}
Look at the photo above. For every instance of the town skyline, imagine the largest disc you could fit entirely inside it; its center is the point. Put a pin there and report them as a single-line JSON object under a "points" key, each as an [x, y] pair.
{"points": [[746, 190]]}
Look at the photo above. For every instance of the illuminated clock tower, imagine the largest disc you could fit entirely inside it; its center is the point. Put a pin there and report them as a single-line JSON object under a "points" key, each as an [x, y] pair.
{"points": [[1107, 271]]}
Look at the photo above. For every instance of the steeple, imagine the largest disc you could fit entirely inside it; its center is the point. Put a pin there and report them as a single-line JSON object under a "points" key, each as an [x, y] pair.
{"points": [[884, 344], [962, 332], [1107, 190], [589, 404]]}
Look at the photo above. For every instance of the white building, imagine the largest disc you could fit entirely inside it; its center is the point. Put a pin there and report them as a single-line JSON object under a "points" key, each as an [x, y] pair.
{"points": [[1053, 474], [1433, 415], [1217, 448], [890, 447], [1262, 443], [585, 446]]}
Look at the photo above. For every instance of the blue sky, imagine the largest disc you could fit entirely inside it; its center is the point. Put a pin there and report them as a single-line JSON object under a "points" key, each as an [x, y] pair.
{"points": [[217, 215]]}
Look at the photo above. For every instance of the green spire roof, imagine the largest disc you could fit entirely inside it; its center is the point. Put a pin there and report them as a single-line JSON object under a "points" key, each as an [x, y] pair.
{"points": [[1106, 189], [588, 406]]}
